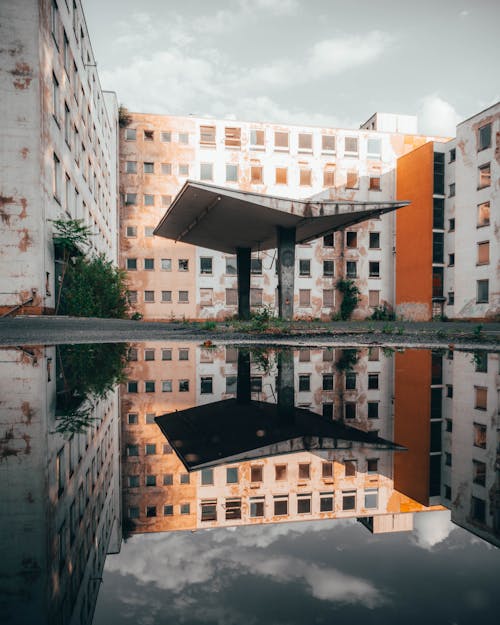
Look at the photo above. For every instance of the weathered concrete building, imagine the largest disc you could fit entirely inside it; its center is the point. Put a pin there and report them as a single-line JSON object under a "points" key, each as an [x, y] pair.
{"points": [[447, 247], [58, 155], [158, 153], [60, 512]]}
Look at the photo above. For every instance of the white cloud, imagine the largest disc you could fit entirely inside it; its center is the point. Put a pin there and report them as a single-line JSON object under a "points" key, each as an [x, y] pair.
{"points": [[437, 117], [464, 13], [431, 528]]}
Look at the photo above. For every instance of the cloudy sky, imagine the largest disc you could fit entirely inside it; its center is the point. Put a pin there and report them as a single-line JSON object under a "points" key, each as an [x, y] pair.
{"points": [[320, 62]]}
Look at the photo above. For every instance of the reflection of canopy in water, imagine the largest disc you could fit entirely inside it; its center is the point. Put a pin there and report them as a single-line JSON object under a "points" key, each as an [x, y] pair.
{"points": [[231, 431]]}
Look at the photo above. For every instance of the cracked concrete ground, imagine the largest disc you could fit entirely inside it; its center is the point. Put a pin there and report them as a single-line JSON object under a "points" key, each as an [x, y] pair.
{"points": [[60, 330]]}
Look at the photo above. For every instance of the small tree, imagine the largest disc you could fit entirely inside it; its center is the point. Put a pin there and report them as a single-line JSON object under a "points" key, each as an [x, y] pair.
{"points": [[350, 297], [124, 117]]}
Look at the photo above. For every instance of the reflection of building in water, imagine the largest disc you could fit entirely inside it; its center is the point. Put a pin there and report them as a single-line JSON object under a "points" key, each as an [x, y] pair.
{"points": [[60, 496], [446, 411], [353, 386]]}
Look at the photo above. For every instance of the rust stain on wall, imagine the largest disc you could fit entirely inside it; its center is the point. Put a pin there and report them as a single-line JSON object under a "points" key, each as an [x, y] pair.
{"points": [[23, 75], [25, 240]]}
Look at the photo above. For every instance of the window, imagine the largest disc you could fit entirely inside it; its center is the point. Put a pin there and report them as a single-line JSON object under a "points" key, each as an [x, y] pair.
{"points": [[133, 512], [373, 148], [439, 173], [209, 510], [183, 386], [133, 418], [231, 297], [328, 298], [304, 382], [304, 471], [451, 298], [207, 477], [484, 176], [371, 498], [328, 143], [149, 386], [374, 183], [304, 267], [231, 384], [166, 354], [130, 134], [150, 480], [131, 264], [484, 137], [56, 180], [166, 200], [166, 264], [478, 509], [352, 181], [256, 473], [374, 269], [305, 142], [452, 190], [280, 505], [185, 508], [481, 361], [328, 240], [437, 281], [206, 171], [481, 396], [351, 269], [373, 380], [305, 177], [256, 174], [255, 297], [327, 470], [479, 472], [149, 200], [132, 386], [438, 213], [281, 175], [184, 478], [206, 297], [232, 475], [483, 253], [257, 138], [256, 384], [149, 168], [206, 385], [168, 510], [350, 380], [207, 135], [374, 354], [149, 296], [351, 146], [149, 135], [372, 465], [166, 386], [327, 410], [303, 504], [166, 297], [167, 449], [350, 468], [56, 106], [183, 354], [130, 198], [349, 500], [131, 231], [231, 173], [329, 176], [373, 299], [304, 298], [149, 264], [206, 265], [281, 140], [132, 450], [350, 410], [166, 136], [184, 138], [480, 434], [232, 137], [280, 472], [453, 155], [183, 169], [483, 214], [183, 264], [374, 240], [166, 169], [256, 507], [326, 502], [149, 354], [451, 260], [231, 265], [351, 239], [133, 481], [327, 382], [482, 291]]}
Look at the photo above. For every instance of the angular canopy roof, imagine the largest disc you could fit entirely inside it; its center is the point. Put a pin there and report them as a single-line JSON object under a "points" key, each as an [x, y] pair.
{"points": [[231, 431], [224, 219]]}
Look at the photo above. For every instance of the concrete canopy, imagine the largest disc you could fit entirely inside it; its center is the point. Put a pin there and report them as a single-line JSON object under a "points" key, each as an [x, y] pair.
{"points": [[226, 219]]}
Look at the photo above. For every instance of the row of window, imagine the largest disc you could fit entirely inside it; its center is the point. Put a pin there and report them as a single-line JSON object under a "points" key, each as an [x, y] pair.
{"points": [[330, 143], [256, 296], [231, 509]]}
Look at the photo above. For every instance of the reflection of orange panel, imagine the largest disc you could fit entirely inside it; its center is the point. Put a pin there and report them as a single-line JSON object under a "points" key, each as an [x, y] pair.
{"points": [[414, 234], [412, 423]]}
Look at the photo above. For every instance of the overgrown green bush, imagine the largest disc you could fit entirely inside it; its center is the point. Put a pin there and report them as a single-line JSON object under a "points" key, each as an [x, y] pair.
{"points": [[94, 288], [382, 313], [350, 297]]}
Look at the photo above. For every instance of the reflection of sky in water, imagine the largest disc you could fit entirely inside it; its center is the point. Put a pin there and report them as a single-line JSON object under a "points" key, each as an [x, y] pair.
{"points": [[302, 573]]}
